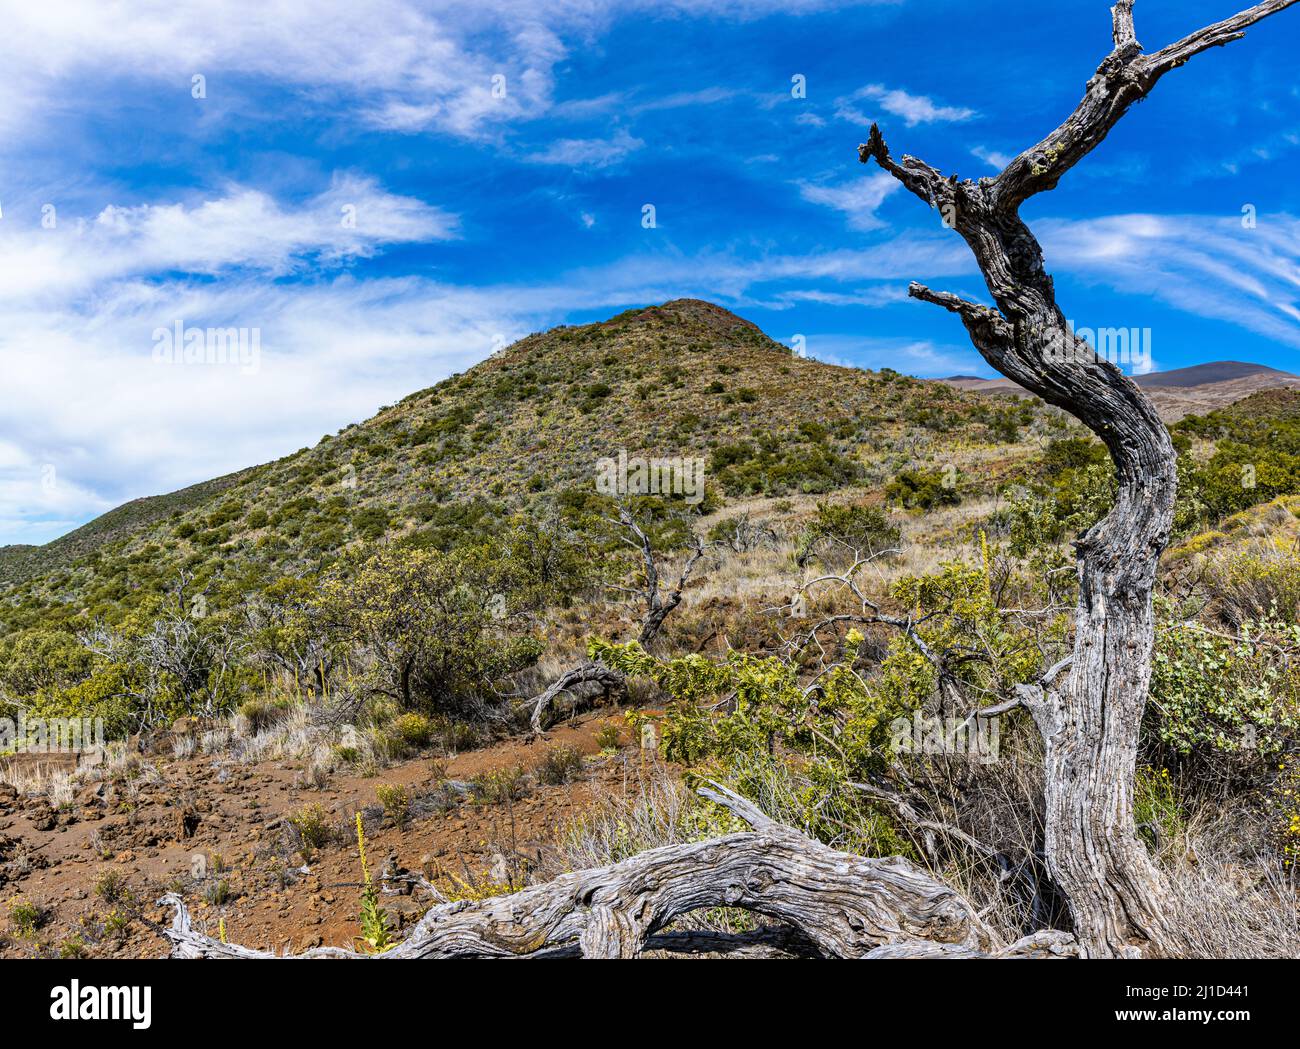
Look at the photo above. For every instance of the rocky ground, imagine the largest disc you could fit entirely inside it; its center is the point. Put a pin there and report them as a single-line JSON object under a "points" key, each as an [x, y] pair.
{"points": [[81, 877]]}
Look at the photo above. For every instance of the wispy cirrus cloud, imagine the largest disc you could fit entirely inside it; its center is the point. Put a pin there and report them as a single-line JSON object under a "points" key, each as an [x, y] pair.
{"points": [[921, 357], [456, 66], [589, 152], [856, 199], [1205, 265], [913, 109]]}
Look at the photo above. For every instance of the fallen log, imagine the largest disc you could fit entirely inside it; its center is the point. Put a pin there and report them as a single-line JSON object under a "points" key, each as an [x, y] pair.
{"points": [[590, 673], [837, 904]]}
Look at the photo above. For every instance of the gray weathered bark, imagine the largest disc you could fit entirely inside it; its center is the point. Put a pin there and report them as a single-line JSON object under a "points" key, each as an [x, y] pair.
{"points": [[593, 672], [1120, 903], [838, 905]]}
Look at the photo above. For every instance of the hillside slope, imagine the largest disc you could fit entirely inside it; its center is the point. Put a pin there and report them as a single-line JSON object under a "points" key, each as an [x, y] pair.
{"points": [[22, 561], [686, 379]]}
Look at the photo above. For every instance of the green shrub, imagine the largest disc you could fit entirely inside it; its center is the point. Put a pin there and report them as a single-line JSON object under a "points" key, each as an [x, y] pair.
{"points": [[853, 528], [558, 766], [414, 729], [923, 489], [110, 886], [396, 801], [499, 786], [1225, 706], [1259, 586], [26, 917], [262, 712], [314, 829]]}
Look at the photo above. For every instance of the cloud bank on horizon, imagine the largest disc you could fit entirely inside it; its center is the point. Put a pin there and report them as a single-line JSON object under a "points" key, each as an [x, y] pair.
{"points": [[384, 193]]}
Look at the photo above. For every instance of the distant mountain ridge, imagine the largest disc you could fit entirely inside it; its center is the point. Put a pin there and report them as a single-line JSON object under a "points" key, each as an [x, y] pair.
{"points": [[1177, 393]]}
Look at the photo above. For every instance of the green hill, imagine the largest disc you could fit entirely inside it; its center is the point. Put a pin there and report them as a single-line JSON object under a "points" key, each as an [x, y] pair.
{"points": [[685, 379]]}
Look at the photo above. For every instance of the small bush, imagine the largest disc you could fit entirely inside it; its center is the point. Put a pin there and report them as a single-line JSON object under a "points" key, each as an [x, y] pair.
{"points": [[27, 917], [607, 736], [559, 766], [414, 729], [499, 786], [396, 801], [455, 736], [347, 755], [923, 490], [1259, 586], [313, 827], [856, 530], [261, 713], [110, 886]]}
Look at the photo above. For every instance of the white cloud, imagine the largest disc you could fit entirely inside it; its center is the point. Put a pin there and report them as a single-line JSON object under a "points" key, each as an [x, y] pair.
{"points": [[914, 109], [858, 199], [405, 65], [240, 228], [84, 394], [992, 157], [1208, 266], [89, 420], [911, 356], [708, 96], [589, 152]]}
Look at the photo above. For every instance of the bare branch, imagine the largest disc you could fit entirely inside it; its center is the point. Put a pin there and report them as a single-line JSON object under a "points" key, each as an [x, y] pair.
{"points": [[910, 816], [1125, 34], [916, 175], [1217, 35], [1124, 77]]}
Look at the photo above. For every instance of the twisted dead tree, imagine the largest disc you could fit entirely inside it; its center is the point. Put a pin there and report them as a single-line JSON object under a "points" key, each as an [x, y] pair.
{"points": [[849, 906], [1119, 901], [827, 903], [658, 605]]}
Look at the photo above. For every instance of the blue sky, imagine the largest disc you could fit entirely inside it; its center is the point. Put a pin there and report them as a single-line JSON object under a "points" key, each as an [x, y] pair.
{"points": [[387, 191]]}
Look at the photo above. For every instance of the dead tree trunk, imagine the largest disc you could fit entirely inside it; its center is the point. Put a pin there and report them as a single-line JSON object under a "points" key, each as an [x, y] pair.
{"points": [[1119, 901], [592, 673], [657, 604]]}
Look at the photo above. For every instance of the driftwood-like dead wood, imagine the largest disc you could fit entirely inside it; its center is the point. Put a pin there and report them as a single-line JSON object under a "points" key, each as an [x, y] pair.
{"points": [[834, 903], [608, 680], [1120, 902]]}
